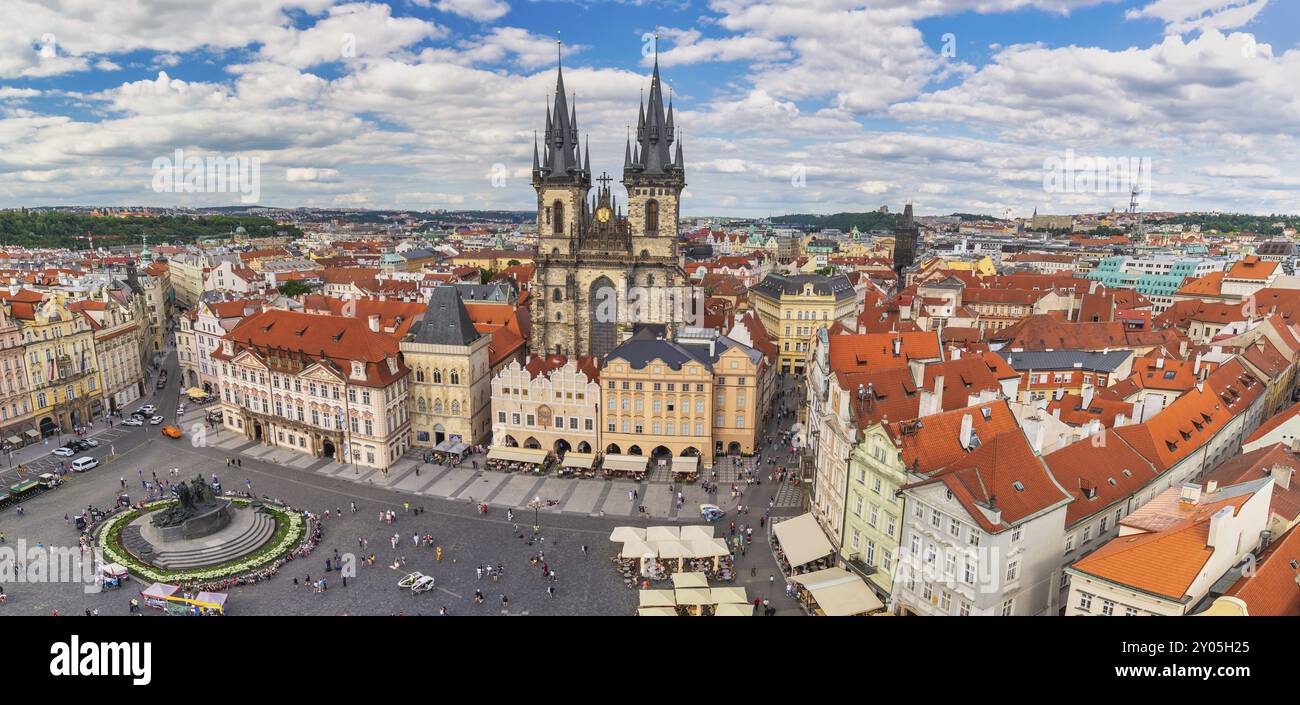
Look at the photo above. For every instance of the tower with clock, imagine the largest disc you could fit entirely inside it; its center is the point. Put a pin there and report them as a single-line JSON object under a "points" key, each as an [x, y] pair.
{"points": [[593, 260]]}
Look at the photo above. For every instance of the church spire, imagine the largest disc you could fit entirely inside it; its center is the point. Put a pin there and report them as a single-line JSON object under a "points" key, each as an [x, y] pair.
{"points": [[654, 128], [537, 169], [562, 154]]}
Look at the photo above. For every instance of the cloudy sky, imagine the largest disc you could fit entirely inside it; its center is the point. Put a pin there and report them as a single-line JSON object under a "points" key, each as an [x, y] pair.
{"points": [[784, 105]]}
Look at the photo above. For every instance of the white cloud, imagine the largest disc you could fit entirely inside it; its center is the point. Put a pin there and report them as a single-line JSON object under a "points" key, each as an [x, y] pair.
{"points": [[1183, 16], [481, 10]]}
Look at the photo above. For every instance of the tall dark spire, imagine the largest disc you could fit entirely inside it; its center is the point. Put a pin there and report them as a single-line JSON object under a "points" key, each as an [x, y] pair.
{"points": [[654, 134], [562, 151], [537, 169]]}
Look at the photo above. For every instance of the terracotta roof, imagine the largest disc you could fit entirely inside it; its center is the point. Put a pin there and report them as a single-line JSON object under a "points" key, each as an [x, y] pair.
{"points": [[277, 334], [1069, 408], [970, 374], [1164, 373], [1171, 553], [1273, 422], [876, 350], [1208, 285], [932, 443], [1098, 472], [539, 365], [1003, 473], [1258, 464], [1252, 268], [886, 394], [1272, 589]]}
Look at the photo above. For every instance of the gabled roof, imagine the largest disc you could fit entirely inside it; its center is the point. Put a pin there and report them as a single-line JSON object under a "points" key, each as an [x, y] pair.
{"points": [[1070, 409], [876, 350], [1172, 550], [1273, 422], [1003, 473], [1271, 590], [932, 443], [1258, 464], [1098, 472]]}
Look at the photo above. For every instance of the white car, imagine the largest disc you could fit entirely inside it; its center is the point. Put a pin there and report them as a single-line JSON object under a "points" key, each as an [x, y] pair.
{"points": [[155, 420], [90, 442], [84, 463], [132, 421], [424, 584], [148, 408], [63, 452]]}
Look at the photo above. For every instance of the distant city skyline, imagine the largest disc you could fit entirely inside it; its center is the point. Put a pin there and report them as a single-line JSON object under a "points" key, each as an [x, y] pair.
{"points": [[783, 107]]}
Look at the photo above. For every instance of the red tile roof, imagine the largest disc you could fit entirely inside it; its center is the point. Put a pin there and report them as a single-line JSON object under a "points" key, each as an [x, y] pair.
{"points": [[1272, 590], [876, 350], [1258, 464], [275, 335], [1098, 471], [932, 443]]}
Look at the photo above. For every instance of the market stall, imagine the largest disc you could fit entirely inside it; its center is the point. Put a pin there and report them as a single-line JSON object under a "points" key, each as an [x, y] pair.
{"points": [[657, 612], [450, 452], [663, 533], [630, 466], [712, 557], [696, 532], [575, 464], [686, 468], [730, 595], [693, 599], [657, 598], [682, 581], [733, 610], [835, 592], [623, 534], [800, 542], [157, 595], [512, 459]]}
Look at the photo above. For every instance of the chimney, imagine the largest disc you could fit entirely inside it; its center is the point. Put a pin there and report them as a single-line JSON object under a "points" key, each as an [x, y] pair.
{"points": [[1087, 395], [1191, 493], [1196, 367], [373, 319], [967, 421], [1211, 487], [938, 393], [1160, 362], [1034, 429], [956, 354], [1282, 476], [1221, 530], [917, 368], [898, 344]]}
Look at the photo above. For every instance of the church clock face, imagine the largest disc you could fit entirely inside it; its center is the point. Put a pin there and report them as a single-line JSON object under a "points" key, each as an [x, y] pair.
{"points": [[602, 214]]}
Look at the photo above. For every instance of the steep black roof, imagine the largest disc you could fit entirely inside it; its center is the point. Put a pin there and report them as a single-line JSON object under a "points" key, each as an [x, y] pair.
{"points": [[774, 285], [446, 322]]}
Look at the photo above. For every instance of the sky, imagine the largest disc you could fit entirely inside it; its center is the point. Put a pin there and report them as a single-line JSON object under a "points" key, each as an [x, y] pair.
{"points": [[782, 106]]}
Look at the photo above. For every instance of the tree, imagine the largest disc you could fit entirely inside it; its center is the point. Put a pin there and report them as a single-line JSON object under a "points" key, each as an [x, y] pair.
{"points": [[513, 263], [294, 287]]}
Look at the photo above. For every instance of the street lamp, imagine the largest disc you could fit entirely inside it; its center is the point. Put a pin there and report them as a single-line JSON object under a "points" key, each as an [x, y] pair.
{"points": [[537, 520]]}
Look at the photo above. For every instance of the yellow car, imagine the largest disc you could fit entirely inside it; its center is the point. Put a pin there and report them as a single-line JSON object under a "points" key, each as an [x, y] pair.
{"points": [[171, 431]]}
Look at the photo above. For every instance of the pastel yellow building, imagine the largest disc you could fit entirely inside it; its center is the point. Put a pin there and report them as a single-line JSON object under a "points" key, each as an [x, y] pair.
{"points": [[794, 308]]}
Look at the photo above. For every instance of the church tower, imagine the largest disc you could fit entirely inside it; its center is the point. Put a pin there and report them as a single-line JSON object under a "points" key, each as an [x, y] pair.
{"points": [[602, 274], [560, 175], [654, 176]]}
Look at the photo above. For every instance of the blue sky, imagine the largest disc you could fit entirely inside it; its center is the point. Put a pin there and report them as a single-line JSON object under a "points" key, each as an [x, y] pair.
{"points": [[784, 105]]}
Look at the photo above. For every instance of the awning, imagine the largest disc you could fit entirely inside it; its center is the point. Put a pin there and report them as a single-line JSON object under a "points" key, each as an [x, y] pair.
{"points": [[730, 595], [582, 461], [637, 549], [458, 449], [802, 539], [707, 548], [697, 532], [14, 440], [536, 456], [683, 581], [33, 433], [733, 610], [839, 593], [443, 447], [663, 533], [671, 549], [656, 612], [685, 464], [196, 393], [626, 463], [159, 591], [694, 596], [623, 534], [215, 599], [657, 598]]}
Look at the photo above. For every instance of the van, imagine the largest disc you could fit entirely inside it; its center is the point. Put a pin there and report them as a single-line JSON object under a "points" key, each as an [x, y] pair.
{"points": [[84, 463]]}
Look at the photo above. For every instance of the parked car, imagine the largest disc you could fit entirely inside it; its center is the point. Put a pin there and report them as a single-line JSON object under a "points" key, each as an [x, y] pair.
{"points": [[133, 421], [79, 445], [84, 463], [63, 452], [90, 442]]}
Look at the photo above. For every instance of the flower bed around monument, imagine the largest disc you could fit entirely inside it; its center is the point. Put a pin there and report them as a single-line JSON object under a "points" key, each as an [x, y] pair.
{"points": [[290, 530]]}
